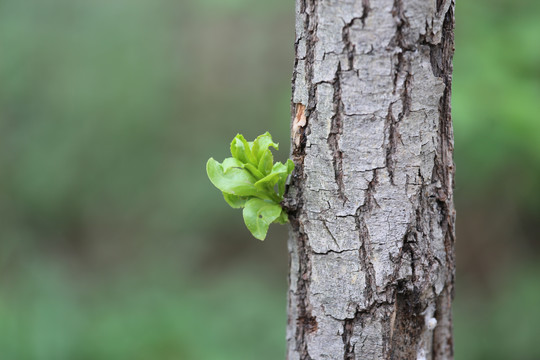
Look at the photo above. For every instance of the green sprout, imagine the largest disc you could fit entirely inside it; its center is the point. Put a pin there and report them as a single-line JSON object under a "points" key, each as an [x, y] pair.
{"points": [[249, 180]]}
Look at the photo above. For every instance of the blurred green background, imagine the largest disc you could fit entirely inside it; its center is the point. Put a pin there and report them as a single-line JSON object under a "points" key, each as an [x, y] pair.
{"points": [[113, 243]]}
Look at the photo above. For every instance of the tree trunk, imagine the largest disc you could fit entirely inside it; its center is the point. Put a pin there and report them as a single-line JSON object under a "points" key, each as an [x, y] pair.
{"points": [[371, 204]]}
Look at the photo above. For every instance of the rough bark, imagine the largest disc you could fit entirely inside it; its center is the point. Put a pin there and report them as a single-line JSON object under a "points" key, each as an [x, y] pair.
{"points": [[370, 200]]}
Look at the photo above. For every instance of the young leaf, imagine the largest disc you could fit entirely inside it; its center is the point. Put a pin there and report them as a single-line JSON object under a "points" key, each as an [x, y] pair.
{"points": [[283, 218], [267, 182], [240, 148], [231, 163], [266, 162], [258, 215], [235, 181], [279, 170], [261, 145], [254, 171], [283, 177], [236, 202], [290, 166]]}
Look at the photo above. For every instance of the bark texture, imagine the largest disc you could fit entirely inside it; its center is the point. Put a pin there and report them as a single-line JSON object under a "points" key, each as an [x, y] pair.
{"points": [[372, 235]]}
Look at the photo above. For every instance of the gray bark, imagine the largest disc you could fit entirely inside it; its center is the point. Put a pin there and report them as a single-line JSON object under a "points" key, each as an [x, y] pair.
{"points": [[370, 200]]}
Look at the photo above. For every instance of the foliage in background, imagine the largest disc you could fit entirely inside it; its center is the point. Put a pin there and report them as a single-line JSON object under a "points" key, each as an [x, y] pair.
{"points": [[112, 245]]}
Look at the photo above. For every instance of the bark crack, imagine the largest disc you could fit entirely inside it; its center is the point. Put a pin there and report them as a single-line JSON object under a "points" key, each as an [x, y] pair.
{"points": [[364, 252], [332, 251], [391, 145], [336, 129], [408, 324], [402, 71], [348, 46], [402, 24], [365, 12], [348, 328], [311, 24], [331, 235]]}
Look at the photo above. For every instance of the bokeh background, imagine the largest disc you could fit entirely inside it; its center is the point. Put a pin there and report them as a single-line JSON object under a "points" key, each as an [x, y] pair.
{"points": [[113, 243]]}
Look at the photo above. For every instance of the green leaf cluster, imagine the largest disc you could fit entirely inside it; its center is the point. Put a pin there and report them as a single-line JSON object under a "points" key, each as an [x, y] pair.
{"points": [[251, 180]]}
